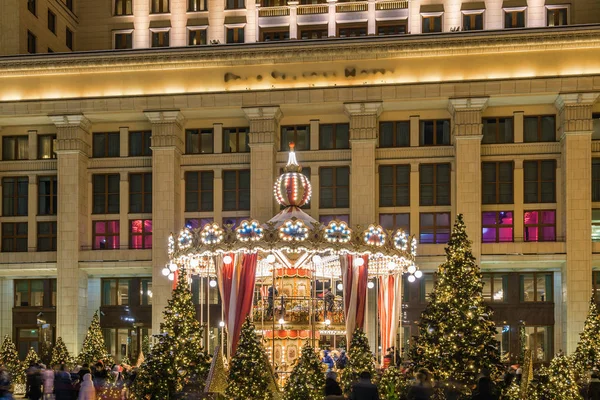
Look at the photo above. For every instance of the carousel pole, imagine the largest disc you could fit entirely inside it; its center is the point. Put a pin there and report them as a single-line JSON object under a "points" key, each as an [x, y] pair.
{"points": [[202, 304], [378, 325], [207, 310], [273, 317]]}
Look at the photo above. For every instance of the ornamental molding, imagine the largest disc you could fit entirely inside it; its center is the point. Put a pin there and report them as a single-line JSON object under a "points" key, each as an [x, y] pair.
{"points": [[120, 162], [269, 113], [71, 121], [414, 152], [516, 149], [28, 165], [324, 156], [354, 110], [477, 104], [576, 99], [227, 159], [411, 46], [165, 117]]}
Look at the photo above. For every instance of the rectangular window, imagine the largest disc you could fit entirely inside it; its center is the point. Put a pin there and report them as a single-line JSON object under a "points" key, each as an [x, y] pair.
{"points": [[234, 4], [160, 6], [539, 129], [274, 35], [69, 38], [540, 339], [15, 148], [116, 292], [160, 38], [105, 235], [395, 221], [596, 126], [394, 185], [140, 234], [106, 144], [394, 134], [197, 5], [196, 37], [434, 184], [105, 190], [197, 223], [31, 43], [199, 141], [434, 132], [497, 131], [434, 227], [31, 6], [503, 338], [46, 147], [47, 195], [140, 193], [29, 293], [235, 140], [391, 28], [146, 291], [69, 4], [557, 17], [199, 191], [313, 33], [495, 287], [514, 19], [349, 30], [15, 191], [235, 35], [431, 24], [123, 7], [472, 22], [595, 179], [497, 182], [139, 143], [596, 225], [51, 22], [14, 237], [536, 286], [46, 236], [334, 136], [540, 226], [298, 134], [123, 41], [326, 219], [236, 190], [540, 181], [497, 226], [334, 187]]}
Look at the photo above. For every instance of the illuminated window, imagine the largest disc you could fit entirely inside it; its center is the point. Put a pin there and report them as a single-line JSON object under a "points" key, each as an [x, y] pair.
{"points": [[495, 287], [431, 24], [394, 185], [596, 285], [235, 140], [197, 223], [395, 221], [497, 226], [298, 134], [123, 7], [235, 35], [116, 292], [540, 340], [47, 195], [557, 16], [197, 37], [274, 35], [46, 147], [391, 28], [160, 38], [146, 291], [434, 184], [15, 148], [596, 126], [536, 286], [313, 32], [472, 21], [503, 338], [199, 141], [514, 18], [29, 293], [197, 5], [596, 225], [160, 6], [497, 182], [140, 234], [540, 226], [434, 227], [46, 236], [349, 30], [105, 235]]}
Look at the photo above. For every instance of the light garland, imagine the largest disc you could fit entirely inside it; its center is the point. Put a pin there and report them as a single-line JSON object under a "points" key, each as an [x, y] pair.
{"points": [[293, 231], [337, 232], [211, 234], [374, 236], [185, 238], [249, 231]]}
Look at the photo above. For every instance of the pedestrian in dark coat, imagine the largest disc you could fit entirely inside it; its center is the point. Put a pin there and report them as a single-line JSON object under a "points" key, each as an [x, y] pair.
{"points": [[364, 389], [33, 385], [421, 390], [593, 391], [63, 389], [485, 390]]}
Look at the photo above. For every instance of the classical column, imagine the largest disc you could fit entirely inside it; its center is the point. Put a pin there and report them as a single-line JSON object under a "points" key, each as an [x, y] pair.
{"points": [[73, 151], [264, 142], [293, 19], [575, 132], [32, 212], [363, 141], [167, 147], [331, 11], [467, 134]]}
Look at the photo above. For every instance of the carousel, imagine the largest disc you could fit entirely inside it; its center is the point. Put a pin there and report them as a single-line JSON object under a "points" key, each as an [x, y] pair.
{"points": [[296, 278]]}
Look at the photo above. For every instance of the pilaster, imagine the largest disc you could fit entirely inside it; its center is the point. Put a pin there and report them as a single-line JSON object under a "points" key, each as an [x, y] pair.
{"points": [[575, 131], [73, 151], [264, 142], [466, 135], [371, 23], [518, 191], [33, 144], [123, 210], [293, 19], [414, 131], [32, 211], [314, 134], [218, 138], [167, 148], [218, 196], [331, 26], [124, 141]]}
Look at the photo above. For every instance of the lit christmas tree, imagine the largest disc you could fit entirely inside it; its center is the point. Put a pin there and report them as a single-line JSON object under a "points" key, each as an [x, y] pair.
{"points": [[307, 381], [560, 382], [94, 348], [60, 354], [9, 358], [587, 354], [178, 357], [249, 373], [32, 357], [456, 334], [360, 359], [512, 392], [46, 352], [393, 384]]}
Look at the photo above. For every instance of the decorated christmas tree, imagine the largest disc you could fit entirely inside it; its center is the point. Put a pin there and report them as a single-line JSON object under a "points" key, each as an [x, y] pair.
{"points": [[178, 357], [46, 352], [32, 357], [249, 372], [587, 354], [456, 334], [94, 348], [360, 359], [60, 354], [307, 381], [512, 392], [560, 382], [393, 384], [9, 358]]}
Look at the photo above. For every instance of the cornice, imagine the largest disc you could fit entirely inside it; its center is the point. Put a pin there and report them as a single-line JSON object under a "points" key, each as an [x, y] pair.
{"points": [[120, 162], [520, 149], [227, 159], [28, 166], [410, 46], [414, 152]]}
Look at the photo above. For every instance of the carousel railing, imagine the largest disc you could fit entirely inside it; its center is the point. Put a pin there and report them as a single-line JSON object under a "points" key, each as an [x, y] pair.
{"points": [[298, 310]]}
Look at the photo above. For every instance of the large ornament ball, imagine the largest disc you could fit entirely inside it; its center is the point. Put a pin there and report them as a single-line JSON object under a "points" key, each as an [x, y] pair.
{"points": [[292, 189]]}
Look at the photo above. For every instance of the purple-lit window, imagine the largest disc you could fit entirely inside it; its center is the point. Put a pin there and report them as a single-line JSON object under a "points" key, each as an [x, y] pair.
{"points": [[434, 227], [497, 226], [105, 235], [326, 219], [197, 223], [235, 221], [395, 221], [140, 234], [540, 226]]}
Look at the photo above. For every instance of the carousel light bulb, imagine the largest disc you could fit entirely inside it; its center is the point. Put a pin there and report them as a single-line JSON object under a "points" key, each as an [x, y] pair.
{"points": [[270, 258], [227, 259], [281, 321], [411, 278], [166, 271], [171, 276], [391, 265], [370, 285], [340, 287], [419, 274], [359, 262], [411, 269], [328, 322], [194, 263], [221, 324], [172, 267], [212, 283], [317, 259]]}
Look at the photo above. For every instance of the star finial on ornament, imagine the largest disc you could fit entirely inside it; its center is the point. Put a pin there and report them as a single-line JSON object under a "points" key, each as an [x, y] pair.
{"points": [[292, 164]]}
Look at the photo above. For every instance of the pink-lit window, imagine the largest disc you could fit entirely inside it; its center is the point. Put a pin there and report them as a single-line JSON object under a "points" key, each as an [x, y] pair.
{"points": [[497, 226], [105, 235], [540, 226], [197, 223], [140, 234]]}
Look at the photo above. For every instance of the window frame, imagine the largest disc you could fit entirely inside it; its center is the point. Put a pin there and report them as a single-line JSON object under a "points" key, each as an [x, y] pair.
{"points": [[535, 285], [539, 128], [275, 31], [40, 138], [497, 226], [237, 131], [142, 193], [596, 285], [166, 32], [505, 280], [51, 236], [235, 4], [107, 138], [200, 176], [435, 184], [32, 6], [596, 179], [161, 5], [472, 14], [199, 132], [498, 183], [116, 296], [498, 134], [539, 181], [514, 11], [17, 139], [195, 2], [334, 130], [350, 29], [52, 21], [31, 42], [436, 123], [285, 130], [196, 29], [237, 189], [539, 226], [432, 16], [106, 194], [125, 33], [69, 38], [394, 125], [15, 237], [106, 234], [146, 138], [333, 187], [239, 31], [395, 185], [122, 11], [29, 292], [558, 7], [53, 196], [16, 196], [144, 234], [395, 216], [435, 227], [398, 27]]}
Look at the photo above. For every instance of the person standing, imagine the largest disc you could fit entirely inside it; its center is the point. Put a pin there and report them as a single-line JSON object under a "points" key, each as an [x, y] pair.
{"points": [[327, 360], [485, 390], [364, 389], [273, 292], [33, 384], [63, 389], [329, 298], [421, 390], [87, 390], [593, 391], [48, 382]]}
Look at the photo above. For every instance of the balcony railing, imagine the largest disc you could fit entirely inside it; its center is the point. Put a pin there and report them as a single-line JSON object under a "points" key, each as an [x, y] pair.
{"points": [[310, 9], [279, 11], [391, 5], [354, 6]]}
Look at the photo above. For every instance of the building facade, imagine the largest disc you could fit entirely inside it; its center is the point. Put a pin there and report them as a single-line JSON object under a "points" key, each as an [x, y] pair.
{"points": [[105, 153]]}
